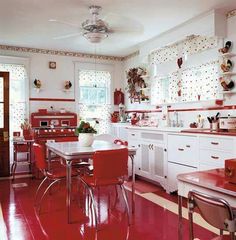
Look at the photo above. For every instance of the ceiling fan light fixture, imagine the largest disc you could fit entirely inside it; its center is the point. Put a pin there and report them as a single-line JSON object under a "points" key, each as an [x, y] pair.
{"points": [[95, 37]]}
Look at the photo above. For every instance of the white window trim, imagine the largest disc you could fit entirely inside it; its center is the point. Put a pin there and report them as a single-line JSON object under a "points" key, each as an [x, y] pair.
{"points": [[91, 66], [26, 63]]}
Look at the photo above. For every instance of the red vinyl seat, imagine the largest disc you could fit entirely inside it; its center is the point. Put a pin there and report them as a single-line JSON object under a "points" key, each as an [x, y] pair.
{"points": [[216, 211], [109, 169]]}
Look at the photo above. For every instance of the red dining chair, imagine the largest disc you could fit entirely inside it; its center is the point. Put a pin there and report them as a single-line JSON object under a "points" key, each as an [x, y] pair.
{"points": [[216, 211], [55, 174], [109, 169]]}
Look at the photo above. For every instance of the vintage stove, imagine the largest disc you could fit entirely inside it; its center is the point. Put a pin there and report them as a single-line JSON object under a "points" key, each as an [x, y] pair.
{"points": [[56, 126]]}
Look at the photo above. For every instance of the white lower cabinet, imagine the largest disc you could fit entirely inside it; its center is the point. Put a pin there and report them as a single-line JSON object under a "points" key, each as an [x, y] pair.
{"points": [[161, 156], [214, 151], [182, 157], [174, 169], [150, 159], [120, 131]]}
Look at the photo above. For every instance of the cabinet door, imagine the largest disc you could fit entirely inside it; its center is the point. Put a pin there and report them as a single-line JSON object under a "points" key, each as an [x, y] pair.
{"points": [[114, 131], [174, 169], [183, 150], [123, 133], [144, 164], [158, 163]]}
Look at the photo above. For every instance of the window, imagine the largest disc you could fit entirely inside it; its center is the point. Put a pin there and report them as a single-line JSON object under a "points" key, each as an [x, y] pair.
{"points": [[18, 104], [94, 97], [94, 87], [18, 95]]}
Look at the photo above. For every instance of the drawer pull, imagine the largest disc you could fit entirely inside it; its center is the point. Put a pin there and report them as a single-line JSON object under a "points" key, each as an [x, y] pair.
{"points": [[188, 146], [133, 134], [133, 146], [180, 149], [214, 157], [214, 143]]}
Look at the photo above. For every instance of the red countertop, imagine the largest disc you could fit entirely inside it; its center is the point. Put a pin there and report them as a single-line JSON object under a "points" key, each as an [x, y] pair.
{"points": [[208, 131], [210, 179]]}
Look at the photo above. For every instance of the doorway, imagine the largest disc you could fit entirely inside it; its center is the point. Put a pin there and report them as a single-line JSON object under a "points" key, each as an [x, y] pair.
{"points": [[4, 125]]}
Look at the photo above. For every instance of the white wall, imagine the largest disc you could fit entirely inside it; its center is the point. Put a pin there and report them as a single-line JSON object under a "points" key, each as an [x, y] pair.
{"points": [[212, 23], [53, 79]]}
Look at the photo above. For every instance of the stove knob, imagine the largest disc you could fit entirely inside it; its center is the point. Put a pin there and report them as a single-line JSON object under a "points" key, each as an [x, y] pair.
{"points": [[62, 130], [69, 130], [54, 130], [49, 130], [45, 130], [73, 130]]}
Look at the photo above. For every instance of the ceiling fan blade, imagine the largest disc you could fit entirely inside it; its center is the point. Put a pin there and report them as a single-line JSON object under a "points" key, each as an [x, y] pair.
{"points": [[64, 22], [68, 36]]}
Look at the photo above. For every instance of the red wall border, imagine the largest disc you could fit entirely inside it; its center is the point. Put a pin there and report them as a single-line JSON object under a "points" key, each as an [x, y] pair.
{"points": [[53, 99]]}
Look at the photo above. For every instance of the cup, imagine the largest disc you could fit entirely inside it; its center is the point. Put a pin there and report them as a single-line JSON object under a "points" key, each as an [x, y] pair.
{"points": [[215, 126]]}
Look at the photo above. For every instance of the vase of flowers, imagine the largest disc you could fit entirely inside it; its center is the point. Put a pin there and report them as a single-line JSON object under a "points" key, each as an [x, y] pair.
{"points": [[26, 128], [86, 134]]}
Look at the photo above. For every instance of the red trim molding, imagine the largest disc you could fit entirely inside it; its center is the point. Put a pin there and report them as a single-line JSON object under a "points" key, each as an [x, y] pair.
{"points": [[53, 99], [204, 109], [230, 107]]}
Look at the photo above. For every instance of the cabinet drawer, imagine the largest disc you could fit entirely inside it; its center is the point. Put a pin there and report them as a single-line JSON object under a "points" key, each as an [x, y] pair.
{"points": [[173, 171], [152, 136], [133, 134], [183, 150], [224, 144], [214, 158]]}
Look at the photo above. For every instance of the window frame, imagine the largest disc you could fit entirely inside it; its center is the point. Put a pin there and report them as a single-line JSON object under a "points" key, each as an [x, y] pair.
{"points": [[91, 66]]}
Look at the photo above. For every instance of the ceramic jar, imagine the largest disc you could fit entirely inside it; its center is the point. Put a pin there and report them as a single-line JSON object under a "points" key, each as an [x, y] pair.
{"points": [[86, 139]]}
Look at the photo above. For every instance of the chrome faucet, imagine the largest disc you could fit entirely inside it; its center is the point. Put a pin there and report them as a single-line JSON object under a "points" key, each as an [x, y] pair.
{"points": [[177, 118]]}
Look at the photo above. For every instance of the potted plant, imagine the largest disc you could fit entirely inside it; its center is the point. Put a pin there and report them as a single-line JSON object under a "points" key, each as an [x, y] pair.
{"points": [[86, 133], [26, 128]]}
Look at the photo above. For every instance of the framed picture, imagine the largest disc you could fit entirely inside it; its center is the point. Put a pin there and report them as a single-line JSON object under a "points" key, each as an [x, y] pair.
{"points": [[52, 65]]}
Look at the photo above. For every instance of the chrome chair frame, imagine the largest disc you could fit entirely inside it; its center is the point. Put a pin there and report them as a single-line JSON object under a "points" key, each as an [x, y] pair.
{"points": [[228, 224]]}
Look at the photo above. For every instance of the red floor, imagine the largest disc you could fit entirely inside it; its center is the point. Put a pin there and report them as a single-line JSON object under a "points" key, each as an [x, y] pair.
{"points": [[149, 222]]}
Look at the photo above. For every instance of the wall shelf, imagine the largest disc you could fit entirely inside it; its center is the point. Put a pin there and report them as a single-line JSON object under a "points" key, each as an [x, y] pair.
{"points": [[228, 74], [228, 92], [147, 89], [228, 55], [144, 76]]}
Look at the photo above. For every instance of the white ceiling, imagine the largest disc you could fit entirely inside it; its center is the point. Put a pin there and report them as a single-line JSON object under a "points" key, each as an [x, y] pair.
{"points": [[25, 22]]}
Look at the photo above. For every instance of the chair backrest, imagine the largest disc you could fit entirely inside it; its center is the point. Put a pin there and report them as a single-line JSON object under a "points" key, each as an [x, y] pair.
{"points": [[39, 157], [111, 164], [217, 212]]}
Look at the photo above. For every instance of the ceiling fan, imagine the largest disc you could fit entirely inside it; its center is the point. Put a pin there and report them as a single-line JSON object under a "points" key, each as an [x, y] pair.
{"points": [[94, 29]]}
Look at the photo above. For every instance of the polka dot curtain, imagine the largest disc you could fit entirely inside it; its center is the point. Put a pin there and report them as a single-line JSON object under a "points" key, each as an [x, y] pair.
{"points": [[198, 82], [97, 108], [18, 104]]}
